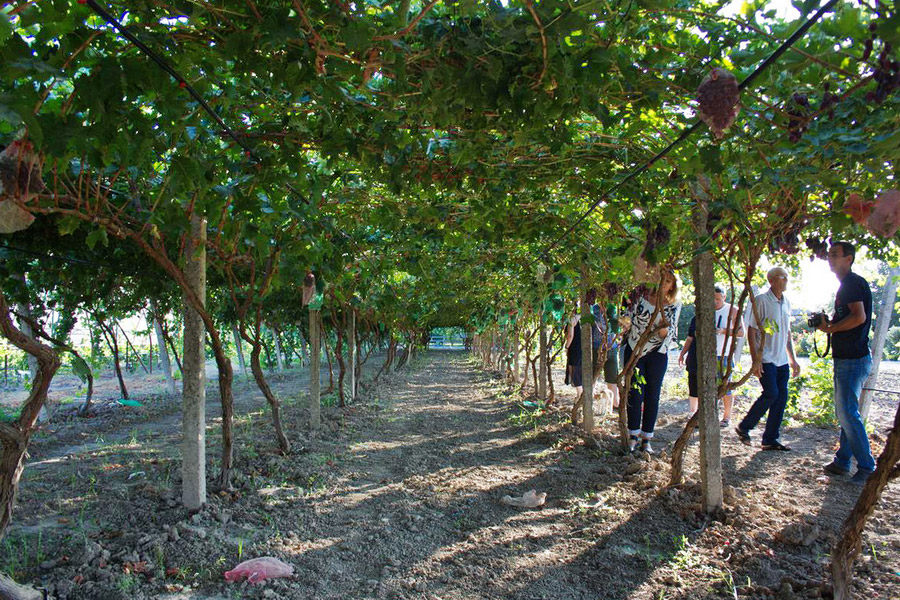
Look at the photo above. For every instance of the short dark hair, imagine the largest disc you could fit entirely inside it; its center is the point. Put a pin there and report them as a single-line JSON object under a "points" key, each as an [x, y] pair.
{"points": [[847, 248]]}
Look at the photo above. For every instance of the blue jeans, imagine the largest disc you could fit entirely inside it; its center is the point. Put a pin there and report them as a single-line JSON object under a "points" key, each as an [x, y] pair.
{"points": [[643, 399], [774, 397], [849, 376]]}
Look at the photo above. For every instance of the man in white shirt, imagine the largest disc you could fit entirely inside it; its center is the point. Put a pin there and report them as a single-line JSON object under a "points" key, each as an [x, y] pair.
{"points": [[771, 358]]}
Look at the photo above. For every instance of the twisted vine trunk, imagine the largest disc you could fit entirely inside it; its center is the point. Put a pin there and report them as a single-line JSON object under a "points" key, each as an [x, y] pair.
{"points": [[848, 548], [16, 435], [679, 448], [109, 334], [161, 343], [284, 445]]}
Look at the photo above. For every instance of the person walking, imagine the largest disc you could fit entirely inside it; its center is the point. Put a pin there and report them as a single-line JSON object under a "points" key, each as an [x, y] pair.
{"points": [[573, 343], [769, 336], [643, 398], [729, 325], [849, 329]]}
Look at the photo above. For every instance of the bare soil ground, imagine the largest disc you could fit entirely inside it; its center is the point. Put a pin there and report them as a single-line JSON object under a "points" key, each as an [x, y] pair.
{"points": [[399, 497]]}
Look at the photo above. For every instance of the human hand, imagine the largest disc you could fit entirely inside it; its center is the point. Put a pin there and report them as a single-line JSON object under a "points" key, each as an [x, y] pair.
{"points": [[756, 370], [681, 359], [795, 368]]}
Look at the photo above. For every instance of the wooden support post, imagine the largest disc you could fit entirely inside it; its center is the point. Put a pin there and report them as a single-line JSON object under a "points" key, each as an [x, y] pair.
{"points": [[587, 365], [707, 371], [193, 445], [315, 401]]}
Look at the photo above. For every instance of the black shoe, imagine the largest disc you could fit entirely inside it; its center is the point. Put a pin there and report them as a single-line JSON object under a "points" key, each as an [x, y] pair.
{"points": [[776, 446], [744, 436], [833, 468]]}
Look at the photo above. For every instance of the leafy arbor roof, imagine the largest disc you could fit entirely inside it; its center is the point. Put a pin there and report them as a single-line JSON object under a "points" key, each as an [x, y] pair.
{"points": [[450, 140]]}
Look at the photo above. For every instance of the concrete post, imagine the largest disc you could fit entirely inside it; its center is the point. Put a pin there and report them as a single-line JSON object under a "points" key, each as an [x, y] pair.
{"points": [[707, 372], [193, 444], [353, 353], [587, 364], [542, 359], [315, 406]]}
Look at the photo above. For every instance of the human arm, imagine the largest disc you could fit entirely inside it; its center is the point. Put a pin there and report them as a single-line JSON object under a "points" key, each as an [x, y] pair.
{"points": [[795, 366], [687, 346], [856, 318], [570, 334]]}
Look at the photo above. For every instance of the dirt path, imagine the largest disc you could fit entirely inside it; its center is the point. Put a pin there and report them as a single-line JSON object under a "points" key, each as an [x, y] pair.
{"points": [[400, 498]]}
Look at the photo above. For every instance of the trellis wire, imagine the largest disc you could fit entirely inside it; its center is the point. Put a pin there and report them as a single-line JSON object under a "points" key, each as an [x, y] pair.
{"points": [[182, 82], [689, 130]]}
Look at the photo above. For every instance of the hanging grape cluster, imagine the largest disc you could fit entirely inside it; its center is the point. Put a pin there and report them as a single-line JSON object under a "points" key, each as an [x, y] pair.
{"points": [[657, 238], [818, 247], [786, 243], [719, 97], [798, 113], [829, 100], [887, 70], [611, 290]]}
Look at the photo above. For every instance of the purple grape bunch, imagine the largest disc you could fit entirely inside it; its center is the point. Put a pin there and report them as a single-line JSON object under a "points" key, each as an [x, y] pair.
{"points": [[887, 70], [719, 99], [657, 237], [798, 113], [818, 247]]}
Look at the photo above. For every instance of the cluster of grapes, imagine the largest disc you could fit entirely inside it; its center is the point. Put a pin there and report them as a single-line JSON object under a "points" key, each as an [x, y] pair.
{"points": [[818, 247], [718, 96], [712, 221], [887, 73], [829, 100], [787, 243], [657, 237], [641, 291], [798, 112], [611, 290]]}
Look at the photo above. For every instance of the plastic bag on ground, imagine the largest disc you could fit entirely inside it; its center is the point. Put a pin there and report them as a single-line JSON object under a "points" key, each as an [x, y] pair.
{"points": [[530, 499], [259, 569]]}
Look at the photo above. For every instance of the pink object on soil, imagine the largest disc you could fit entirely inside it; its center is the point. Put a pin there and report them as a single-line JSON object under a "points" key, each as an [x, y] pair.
{"points": [[259, 569]]}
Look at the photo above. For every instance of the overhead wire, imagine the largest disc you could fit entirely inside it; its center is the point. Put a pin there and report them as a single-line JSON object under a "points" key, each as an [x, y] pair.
{"points": [[184, 84], [686, 132]]}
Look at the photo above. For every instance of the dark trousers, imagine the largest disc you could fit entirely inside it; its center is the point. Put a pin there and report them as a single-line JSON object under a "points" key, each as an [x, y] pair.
{"points": [[774, 399], [643, 399]]}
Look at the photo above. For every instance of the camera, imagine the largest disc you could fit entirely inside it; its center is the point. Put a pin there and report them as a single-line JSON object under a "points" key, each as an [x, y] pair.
{"points": [[815, 319]]}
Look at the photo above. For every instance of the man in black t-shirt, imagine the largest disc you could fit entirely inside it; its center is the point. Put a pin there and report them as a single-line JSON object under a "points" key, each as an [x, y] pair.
{"points": [[849, 329]]}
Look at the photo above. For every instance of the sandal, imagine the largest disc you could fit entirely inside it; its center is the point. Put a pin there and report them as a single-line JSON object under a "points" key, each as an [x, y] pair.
{"points": [[633, 442]]}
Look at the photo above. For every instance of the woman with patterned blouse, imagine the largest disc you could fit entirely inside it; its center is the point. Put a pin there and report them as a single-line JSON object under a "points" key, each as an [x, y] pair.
{"points": [[643, 399]]}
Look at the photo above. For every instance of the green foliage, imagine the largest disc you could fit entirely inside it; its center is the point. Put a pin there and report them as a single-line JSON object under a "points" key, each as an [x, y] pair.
{"points": [[818, 381], [892, 344]]}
